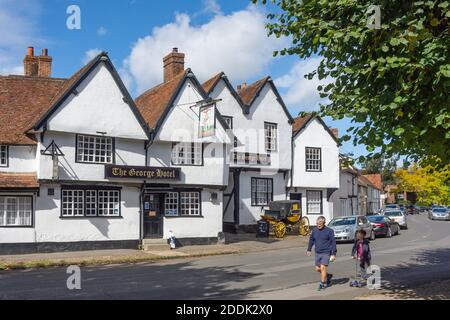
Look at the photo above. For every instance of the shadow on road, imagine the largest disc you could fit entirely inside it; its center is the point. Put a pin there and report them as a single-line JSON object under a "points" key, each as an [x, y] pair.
{"points": [[139, 281], [427, 278]]}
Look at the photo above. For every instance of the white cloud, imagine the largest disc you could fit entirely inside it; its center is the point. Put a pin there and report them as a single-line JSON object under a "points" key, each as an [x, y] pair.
{"points": [[91, 54], [236, 44], [19, 18], [102, 31], [211, 6], [299, 93]]}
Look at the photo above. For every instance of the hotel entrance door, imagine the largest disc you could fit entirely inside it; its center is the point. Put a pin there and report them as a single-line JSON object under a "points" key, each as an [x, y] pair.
{"points": [[153, 215]]}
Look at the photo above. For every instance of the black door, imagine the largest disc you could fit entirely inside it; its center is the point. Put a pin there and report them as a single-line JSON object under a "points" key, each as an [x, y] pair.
{"points": [[153, 218]]}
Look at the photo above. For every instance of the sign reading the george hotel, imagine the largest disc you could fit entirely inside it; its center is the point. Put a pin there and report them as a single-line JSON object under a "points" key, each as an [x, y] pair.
{"points": [[133, 172]]}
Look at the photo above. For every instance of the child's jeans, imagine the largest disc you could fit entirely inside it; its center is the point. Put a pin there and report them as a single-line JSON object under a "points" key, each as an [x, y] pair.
{"points": [[362, 272]]}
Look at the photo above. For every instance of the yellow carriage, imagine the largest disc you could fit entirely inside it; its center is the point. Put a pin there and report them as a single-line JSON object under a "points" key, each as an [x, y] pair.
{"points": [[285, 216]]}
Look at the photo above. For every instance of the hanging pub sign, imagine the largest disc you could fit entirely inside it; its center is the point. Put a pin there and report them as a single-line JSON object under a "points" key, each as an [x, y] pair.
{"points": [[207, 125], [144, 173]]}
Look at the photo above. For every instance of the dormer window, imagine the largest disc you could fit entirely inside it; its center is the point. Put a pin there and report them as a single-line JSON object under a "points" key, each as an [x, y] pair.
{"points": [[3, 156], [95, 149]]}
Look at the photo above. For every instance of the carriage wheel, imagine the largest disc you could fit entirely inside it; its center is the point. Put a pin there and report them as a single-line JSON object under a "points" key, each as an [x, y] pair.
{"points": [[279, 229], [304, 227]]}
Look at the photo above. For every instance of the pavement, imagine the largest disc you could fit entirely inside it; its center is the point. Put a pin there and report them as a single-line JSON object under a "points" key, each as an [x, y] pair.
{"points": [[414, 265], [235, 244]]}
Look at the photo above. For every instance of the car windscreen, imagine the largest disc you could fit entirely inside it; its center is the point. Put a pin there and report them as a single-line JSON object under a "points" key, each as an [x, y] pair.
{"points": [[393, 214], [376, 218], [391, 206], [342, 222], [440, 210]]}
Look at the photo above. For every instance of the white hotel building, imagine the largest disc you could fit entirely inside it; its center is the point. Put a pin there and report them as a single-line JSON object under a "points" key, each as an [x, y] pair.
{"points": [[84, 166]]}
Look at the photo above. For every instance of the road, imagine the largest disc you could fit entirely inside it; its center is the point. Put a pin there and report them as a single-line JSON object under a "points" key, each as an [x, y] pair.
{"points": [[418, 255]]}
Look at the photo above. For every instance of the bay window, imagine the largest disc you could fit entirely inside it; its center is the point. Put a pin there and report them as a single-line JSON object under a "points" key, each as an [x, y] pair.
{"points": [[16, 211]]}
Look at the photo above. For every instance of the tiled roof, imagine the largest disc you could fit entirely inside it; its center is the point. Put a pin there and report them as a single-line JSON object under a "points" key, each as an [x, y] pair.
{"points": [[249, 92], [300, 122], [23, 100], [209, 85], [375, 179], [18, 180], [153, 103]]}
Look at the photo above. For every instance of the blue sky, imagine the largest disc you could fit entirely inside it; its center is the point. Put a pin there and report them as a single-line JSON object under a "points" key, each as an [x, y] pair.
{"points": [[216, 35]]}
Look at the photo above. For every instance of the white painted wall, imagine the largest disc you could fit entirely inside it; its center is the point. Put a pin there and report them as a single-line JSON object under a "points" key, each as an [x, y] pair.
{"points": [[128, 152], [21, 159], [213, 172], [209, 225], [327, 206], [249, 129], [99, 106], [315, 135], [49, 227], [341, 198], [249, 214]]}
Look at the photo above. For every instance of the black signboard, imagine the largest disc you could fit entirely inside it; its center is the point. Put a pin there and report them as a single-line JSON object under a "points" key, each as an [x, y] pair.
{"points": [[143, 173], [262, 230]]}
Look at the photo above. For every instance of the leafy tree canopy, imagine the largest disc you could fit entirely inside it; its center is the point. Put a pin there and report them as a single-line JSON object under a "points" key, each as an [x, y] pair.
{"points": [[431, 185], [392, 81]]}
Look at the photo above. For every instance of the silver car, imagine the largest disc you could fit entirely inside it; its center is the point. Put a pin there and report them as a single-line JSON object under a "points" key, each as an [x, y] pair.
{"points": [[439, 213], [345, 228], [399, 217]]}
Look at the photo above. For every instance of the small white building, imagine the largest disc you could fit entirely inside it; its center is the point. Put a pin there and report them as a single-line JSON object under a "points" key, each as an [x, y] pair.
{"points": [[345, 199], [315, 167], [260, 160]]}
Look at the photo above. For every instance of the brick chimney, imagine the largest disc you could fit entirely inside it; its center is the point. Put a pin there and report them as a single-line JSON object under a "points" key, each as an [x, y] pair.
{"points": [[335, 131], [30, 63], [173, 64], [45, 64], [37, 66]]}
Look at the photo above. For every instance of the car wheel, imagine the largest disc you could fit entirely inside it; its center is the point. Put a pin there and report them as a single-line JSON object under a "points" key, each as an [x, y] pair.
{"points": [[389, 233], [372, 235]]}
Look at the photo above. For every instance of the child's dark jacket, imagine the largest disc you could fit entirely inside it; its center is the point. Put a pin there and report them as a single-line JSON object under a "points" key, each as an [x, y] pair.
{"points": [[366, 255]]}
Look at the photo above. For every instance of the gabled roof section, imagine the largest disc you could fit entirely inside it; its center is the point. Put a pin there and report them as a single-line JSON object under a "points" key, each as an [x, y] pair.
{"points": [[69, 87], [209, 86], [23, 100], [301, 122], [249, 93], [18, 181]]}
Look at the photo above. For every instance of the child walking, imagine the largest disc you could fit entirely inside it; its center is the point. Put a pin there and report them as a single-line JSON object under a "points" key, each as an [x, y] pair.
{"points": [[361, 251]]}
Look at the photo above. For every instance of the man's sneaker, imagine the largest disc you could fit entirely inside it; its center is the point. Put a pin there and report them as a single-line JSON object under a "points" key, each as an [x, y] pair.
{"points": [[329, 277], [322, 286]]}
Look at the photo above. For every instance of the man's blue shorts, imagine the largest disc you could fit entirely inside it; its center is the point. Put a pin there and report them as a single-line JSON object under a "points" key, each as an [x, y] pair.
{"points": [[322, 259]]}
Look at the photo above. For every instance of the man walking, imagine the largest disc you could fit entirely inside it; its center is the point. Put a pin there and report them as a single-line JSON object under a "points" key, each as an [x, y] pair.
{"points": [[323, 239]]}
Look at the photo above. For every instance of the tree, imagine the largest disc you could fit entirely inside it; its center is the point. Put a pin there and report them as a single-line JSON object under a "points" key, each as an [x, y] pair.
{"points": [[431, 185], [392, 81]]}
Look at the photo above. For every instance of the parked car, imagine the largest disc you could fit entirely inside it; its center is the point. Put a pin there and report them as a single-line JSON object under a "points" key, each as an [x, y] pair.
{"points": [[345, 228], [399, 217], [392, 207], [439, 213], [423, 209], [384, 226], [412, 209]]}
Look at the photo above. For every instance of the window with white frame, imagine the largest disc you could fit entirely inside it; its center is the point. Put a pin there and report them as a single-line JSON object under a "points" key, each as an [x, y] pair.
{"points": [[228, 121], [3, 156], [171, 204], [314, 202], [94, 149], [313, 158], [187, 153], [108, 203], [262, 191], [190, 203], [90, 203], [270, 136], [16, 211]]}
